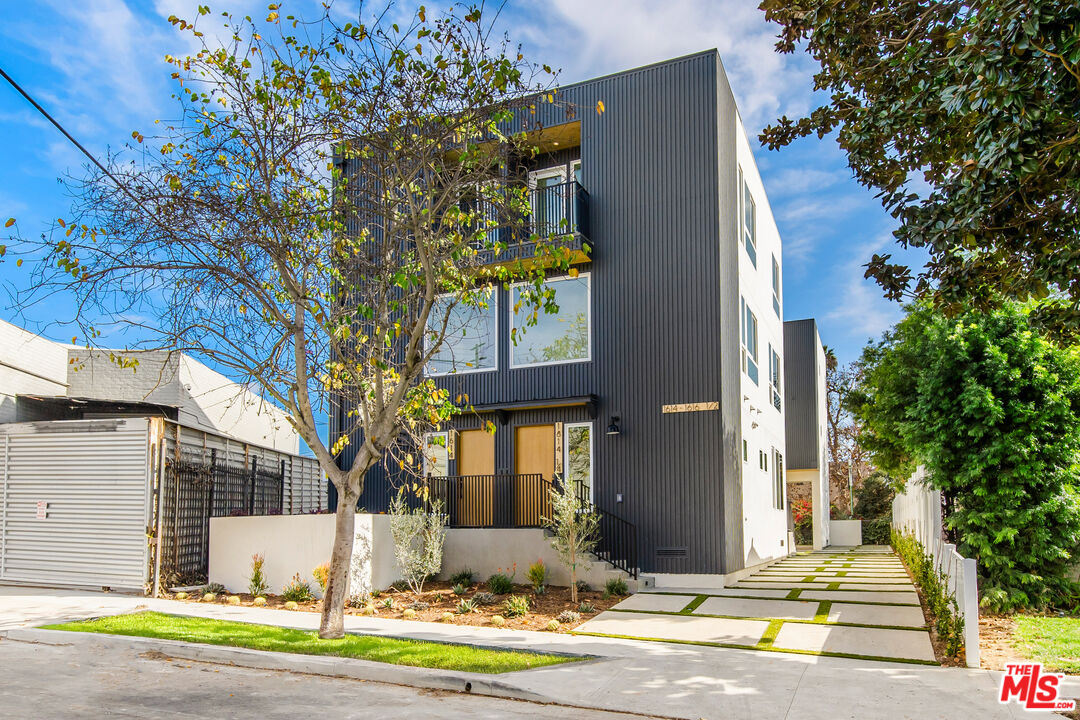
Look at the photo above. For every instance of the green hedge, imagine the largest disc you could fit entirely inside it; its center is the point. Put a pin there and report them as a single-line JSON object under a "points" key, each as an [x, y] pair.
{"points": [[944, 610]]}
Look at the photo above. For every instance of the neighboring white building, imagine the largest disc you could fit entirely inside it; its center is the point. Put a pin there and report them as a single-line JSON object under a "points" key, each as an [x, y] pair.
{"points": [[43, 372]]}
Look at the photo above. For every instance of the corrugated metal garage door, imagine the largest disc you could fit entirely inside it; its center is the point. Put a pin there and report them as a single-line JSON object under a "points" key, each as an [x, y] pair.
{"points": [[75, 502]]}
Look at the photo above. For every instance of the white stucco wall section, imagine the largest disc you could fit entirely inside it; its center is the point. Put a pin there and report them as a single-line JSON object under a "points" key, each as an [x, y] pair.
{"points": [[765, 534], [29, 365]]}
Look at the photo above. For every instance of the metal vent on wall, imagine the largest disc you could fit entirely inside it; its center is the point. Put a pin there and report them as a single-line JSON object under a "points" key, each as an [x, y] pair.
{"points": [[671, 552]]}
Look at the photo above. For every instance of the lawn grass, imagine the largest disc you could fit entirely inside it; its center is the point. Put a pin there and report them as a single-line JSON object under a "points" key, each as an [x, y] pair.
{"points": [[1053, 641], [268, 637]]}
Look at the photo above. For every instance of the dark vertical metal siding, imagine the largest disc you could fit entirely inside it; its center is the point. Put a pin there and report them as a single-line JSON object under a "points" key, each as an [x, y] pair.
{"points": [[650, 163], [800, 394]]}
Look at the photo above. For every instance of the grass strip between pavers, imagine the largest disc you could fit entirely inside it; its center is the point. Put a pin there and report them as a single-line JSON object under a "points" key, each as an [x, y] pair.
{"points": [[694, 604], [792, 595], [822, 614], [769, 636], [396, 651], [771, 648], [799, 621]]}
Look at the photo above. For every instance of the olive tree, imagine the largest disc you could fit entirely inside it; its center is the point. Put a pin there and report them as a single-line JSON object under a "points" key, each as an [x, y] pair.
{"points": [[235, 232]]}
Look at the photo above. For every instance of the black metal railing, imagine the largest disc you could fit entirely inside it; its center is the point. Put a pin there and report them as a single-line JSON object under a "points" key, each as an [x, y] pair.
{"points": [[522, 501], [194, 491], [560, 209]]}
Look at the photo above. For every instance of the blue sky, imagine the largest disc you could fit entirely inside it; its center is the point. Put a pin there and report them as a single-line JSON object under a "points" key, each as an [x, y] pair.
{"points": [[97, 66]]}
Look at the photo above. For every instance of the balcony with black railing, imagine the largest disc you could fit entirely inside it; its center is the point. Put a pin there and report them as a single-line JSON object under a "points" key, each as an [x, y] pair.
{"points": [[559, 217]]}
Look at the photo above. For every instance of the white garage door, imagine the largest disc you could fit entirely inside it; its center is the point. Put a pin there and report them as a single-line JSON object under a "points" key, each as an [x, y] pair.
{"points": [[74, 503]]}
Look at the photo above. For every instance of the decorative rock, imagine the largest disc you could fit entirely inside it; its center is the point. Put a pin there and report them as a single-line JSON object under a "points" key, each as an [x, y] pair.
{"points": [[209, 597], [259, 601], [409, 614], [553, 625], [447, 617], [369, 609], [498, 620], [234, 600], [181, 595], [291, 605]]}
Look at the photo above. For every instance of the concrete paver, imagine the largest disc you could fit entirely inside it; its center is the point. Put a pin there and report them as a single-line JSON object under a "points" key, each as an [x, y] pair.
{"points": [[876, 615], [866, 642], [677, 627], [661, 603], [745, 607], [856, 596]]}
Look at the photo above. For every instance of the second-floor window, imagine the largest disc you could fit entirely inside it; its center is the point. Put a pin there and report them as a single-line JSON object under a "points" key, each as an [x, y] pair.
{"points": [[749, 219], [749, 341], [556, 337], [774, 377], [470, 341], [775, 286]]}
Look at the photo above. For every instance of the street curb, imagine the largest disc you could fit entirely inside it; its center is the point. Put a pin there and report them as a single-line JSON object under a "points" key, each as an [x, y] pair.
{"points": [[428, 678]]}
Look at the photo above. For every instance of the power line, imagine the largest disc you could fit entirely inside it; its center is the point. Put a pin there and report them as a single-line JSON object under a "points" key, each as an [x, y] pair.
{"points": [[66, 134]]}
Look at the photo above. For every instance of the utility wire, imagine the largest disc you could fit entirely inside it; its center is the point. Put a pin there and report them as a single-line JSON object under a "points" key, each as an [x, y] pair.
{"points": [[68, 135]]}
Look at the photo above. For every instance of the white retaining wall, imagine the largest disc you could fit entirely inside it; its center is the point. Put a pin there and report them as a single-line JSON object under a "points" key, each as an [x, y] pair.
{"points": [[298, 544], [845, 532], [917, 512]]}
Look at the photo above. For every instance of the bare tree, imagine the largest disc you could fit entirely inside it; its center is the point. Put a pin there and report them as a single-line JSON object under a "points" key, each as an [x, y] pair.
{"points": [[847, 460], [328, 196]]}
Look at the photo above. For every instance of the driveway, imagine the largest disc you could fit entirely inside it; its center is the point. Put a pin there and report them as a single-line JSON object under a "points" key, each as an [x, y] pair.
{"points": [[856, 603]]}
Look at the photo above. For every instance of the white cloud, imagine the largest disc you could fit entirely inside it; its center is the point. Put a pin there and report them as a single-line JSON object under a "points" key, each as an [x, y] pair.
{"points": [[860, 310], [796, 181]]}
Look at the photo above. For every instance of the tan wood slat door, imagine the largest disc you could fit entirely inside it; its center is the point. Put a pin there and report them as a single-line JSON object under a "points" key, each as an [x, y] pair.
{"points": [[476, 459], [534, 453]]}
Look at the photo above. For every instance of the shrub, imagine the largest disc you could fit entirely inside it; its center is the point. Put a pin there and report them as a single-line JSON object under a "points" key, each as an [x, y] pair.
{"points": [[420, 605], [257, 581], [575, 528], [500, 583], [485, 598], [368, 610], [439, 598], [297, 590], [233, 600], [376, 593], [944, 611], [568, 616], [516, 606], [586, 608], [873, 504], [459, 589], [321, 575], [215, 588], [462, 577], [802, 514], [388, 603], [418, 537], [553, 625], [537, 575], [615, 587], [582, 586], [465, 606]]}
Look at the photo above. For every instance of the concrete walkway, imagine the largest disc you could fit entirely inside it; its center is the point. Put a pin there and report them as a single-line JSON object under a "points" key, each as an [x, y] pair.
{"points": [[851, 603], [653, 678]]}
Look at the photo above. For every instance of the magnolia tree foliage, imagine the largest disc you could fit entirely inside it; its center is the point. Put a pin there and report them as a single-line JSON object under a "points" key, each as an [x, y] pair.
{"points": [[962, 115], [991, 408], [419, 535], [302, 223], [575, 527]]}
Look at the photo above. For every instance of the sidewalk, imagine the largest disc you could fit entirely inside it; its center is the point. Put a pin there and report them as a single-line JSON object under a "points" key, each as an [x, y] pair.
{"points": [[629, 676]]}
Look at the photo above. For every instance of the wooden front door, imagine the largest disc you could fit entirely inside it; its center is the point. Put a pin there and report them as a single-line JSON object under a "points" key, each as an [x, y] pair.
{"points": [[534, 454], [476, 465]]}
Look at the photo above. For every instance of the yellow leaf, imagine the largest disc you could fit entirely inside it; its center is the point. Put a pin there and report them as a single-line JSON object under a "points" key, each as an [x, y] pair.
{"points": [[572, 272], [61, 221], [10, 222], [599, 107], [18, 263]]}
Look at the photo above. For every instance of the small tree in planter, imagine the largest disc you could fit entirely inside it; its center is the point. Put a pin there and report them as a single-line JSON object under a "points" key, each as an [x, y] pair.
{"points": [[418, 536], [575, 526]]}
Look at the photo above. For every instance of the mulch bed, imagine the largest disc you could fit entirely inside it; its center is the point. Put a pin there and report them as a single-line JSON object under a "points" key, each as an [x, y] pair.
{"points": [[440, 598]]}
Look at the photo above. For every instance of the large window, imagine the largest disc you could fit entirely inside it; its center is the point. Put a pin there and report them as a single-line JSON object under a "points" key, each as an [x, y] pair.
{"points": [[749, 219], [436, 454], [579, 455], [749, 341], [775, 286], [469, 344], [774, 377], [557, 337], [778, 480]]}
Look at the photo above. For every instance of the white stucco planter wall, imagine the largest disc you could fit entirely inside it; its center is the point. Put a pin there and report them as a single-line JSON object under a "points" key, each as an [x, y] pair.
{"points": [[845, 532], [298, 544]]}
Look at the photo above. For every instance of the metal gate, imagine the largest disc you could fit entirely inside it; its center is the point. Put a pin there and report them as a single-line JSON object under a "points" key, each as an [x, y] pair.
{"points": [[194, 492], [75, 503]]}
